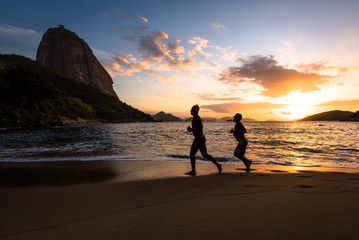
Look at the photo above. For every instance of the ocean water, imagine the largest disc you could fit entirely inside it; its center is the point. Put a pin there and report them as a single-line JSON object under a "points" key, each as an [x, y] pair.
{"points": [[327, 144]]}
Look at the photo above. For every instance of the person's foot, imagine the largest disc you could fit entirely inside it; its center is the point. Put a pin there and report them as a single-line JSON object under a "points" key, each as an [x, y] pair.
{"points": [[248, 165], [192, 173], [219, 169]]}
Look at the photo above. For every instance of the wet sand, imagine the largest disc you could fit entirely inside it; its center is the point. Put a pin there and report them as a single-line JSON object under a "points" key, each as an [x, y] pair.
{"points": [[155, 200]]}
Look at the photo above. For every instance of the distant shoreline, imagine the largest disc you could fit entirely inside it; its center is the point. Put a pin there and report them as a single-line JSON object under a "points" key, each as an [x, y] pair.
{"points": [[74, 122]]}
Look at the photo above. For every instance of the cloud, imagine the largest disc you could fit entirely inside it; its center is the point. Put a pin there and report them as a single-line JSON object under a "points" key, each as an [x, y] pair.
{"points": [[157, 52], [175, 47], [178, 64], [102, 54], [168, 80], [340, 103], [17, 40], [129, 16], [153, 48], [233, 107], [288, 113], [212, 97], [287, 44], [24, 36], [133, 32], [161, 95], [15, 31], [200, 44], [125, 65], [153, 73], [276, 80], [319, 66], [227, 53], [218, 27]]}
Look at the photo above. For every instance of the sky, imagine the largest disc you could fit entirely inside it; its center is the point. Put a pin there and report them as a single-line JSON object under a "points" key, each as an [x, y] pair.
{"points": [[268, 60]]}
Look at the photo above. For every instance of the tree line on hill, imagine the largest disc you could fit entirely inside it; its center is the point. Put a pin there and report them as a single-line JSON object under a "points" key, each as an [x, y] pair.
{"points": [[335, 115], [32, 95]]}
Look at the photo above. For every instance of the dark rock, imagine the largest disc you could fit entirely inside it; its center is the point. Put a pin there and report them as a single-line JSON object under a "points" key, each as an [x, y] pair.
{"points": [[68, 54]]}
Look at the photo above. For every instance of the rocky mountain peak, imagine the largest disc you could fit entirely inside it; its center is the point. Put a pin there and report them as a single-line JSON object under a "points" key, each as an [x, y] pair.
{"points": [[68, 54]]}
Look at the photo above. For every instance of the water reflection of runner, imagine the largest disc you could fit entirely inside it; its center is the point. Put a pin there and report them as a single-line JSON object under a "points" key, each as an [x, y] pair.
{"points": [[238, 132], [199, 142]]}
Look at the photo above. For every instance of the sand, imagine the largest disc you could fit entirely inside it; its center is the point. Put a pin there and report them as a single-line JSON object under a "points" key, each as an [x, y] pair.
{"points": [[155, 200]]}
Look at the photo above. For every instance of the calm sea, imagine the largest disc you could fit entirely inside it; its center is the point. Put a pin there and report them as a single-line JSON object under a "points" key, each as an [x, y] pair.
{"points": [[329, 144]]}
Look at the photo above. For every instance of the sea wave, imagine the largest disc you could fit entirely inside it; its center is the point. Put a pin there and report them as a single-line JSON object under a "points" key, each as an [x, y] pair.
{"points": [[310, 150], [283, 143]]}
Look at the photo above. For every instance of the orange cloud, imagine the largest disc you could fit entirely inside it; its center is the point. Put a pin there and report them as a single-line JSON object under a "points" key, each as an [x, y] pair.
{"points": [[212, 97], [179, 64], [125, 65], [276, 80], [233, 107], [319, 66], [175, 47], [340, 103], [200, 44]]}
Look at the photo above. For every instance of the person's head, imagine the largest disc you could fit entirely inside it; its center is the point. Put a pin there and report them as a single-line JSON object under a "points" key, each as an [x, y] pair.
{"points": [[237, 117], [195, 110]]}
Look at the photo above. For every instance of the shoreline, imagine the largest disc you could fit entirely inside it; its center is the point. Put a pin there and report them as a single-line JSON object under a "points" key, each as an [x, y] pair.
{"points": [[155, 200], [60, 173]]}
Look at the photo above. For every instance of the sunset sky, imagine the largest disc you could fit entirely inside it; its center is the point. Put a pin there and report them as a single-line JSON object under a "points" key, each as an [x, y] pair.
{"points": [[279, 60]]}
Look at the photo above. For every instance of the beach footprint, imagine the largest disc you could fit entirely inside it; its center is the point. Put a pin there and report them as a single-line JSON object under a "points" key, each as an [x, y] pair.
{"points": [[278, 171], [305, 186]]}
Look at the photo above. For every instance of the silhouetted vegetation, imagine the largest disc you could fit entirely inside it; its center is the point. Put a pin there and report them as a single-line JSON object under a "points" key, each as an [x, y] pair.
{"points": [[33, 95], [329, 116]]}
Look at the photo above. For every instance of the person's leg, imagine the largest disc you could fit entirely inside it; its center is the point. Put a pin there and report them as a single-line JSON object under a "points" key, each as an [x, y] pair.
{"points": [[205, 154], [239, 153], [194, 150]]}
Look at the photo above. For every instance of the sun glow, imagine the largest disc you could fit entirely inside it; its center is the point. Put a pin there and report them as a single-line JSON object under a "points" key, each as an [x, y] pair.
{"points": [[295, 112]]}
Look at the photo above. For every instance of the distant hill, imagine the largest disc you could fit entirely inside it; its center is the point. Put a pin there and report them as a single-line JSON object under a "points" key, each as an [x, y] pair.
{"points": [[166, 117], [336, 115], [33, 95], [354, 117]]}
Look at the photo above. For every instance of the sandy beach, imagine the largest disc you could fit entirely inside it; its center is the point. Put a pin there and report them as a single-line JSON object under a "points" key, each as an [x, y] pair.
{"points": [[155, 200]]}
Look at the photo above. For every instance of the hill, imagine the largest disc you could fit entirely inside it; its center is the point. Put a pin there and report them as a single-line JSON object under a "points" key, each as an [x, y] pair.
{"points": [[64, 52], [335, 115], [166, 117], [33, 95], [354, 117]]}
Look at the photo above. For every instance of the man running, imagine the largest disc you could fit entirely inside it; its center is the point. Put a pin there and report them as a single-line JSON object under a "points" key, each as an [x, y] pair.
{"points": [[238, 133], [199, 142]]}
